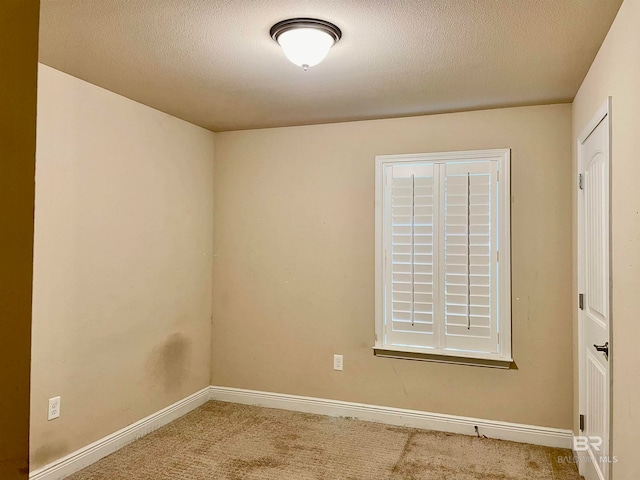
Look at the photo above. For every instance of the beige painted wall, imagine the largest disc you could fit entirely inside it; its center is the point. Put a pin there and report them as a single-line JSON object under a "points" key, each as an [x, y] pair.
{"points": [[616, 73], [18, 81], [123, 253], [294, 265]]}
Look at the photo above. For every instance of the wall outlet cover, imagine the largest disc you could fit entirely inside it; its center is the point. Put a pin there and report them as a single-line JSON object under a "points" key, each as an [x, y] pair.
{"points": [[54, 408], [338, 362]]}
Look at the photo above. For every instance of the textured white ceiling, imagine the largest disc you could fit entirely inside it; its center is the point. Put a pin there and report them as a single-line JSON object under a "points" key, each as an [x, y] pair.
{"points": [[212, 62]]}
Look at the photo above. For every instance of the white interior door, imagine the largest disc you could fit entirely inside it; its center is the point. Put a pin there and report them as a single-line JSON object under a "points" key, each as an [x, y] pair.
{"points": [[594, 283]]}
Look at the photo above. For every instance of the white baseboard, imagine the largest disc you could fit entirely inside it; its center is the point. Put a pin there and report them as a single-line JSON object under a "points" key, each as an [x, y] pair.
{"points": [[515, 432], [551, 437], [92, 453]]}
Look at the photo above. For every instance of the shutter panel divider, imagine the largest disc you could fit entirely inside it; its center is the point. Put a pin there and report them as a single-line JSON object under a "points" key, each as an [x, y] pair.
{"points": [[468, 250], [440, 284], [413, 247]]}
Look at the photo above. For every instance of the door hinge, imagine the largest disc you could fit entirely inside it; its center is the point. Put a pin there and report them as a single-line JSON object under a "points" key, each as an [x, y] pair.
{"points": [[581, 301], [580, 181], [581, 423]]}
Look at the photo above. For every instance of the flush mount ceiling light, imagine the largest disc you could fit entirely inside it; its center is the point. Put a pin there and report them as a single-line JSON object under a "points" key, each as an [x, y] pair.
{"points": [[305, 41]]}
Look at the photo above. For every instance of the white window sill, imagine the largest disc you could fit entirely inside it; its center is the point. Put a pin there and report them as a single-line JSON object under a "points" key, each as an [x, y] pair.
{"points": [[459, 358]]}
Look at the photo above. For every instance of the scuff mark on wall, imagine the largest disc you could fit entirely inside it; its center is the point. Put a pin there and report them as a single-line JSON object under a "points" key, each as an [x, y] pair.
{"points": [[401, 381]]}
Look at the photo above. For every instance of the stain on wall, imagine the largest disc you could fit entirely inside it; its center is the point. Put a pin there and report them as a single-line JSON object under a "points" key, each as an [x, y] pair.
{"points": [[50, 451], [169, 362]]}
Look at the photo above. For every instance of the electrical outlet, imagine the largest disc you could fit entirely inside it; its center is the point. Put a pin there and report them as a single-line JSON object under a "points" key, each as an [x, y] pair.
{"points": [[54, 408], [337, 362]]}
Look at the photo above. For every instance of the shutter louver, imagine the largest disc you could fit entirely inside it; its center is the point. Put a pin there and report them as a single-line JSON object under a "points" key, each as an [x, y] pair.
{"points": [[470, 307]]}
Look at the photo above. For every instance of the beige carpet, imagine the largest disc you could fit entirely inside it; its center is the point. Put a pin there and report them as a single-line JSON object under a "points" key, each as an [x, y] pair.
{"points": [[237, 442]]}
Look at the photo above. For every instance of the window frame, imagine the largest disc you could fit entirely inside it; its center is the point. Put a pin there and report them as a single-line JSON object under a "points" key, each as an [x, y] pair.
{"points": [[503, 357]]}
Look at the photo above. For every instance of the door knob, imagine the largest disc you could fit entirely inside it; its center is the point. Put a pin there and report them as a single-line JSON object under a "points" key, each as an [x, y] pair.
{"points": [[603, 348]]}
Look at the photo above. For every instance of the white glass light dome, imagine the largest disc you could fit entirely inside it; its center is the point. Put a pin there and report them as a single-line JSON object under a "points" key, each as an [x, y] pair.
{"points": [[305, 41]]}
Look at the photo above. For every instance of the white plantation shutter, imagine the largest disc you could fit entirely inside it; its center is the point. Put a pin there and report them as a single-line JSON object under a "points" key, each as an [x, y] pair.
{"points": [[469, 250], [441, 287], [410, 257]]}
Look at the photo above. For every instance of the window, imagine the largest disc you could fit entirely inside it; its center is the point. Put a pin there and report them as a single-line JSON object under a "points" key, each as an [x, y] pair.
{"points": [[443, 286]]}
